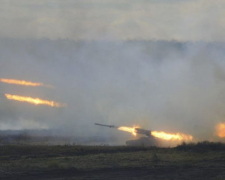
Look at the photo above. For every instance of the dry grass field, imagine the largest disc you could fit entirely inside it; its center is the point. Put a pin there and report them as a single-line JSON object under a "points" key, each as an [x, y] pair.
{"points": [[188, 161]]}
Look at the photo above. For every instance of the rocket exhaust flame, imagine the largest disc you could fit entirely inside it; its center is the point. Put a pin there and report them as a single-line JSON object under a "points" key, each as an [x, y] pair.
{"points": [[128, 129], [35, 101], [172, 137], [157, 134], [220, 130], [24, 83]]}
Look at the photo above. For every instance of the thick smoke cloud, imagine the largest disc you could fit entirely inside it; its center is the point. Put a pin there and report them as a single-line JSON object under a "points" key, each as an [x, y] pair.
{"points": [[180, 20], [169, 86]]}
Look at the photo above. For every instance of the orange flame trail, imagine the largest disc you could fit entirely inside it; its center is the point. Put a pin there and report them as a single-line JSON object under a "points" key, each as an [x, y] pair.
{"points": [[24, 83], [220, 130], [160, 134], [128, 129], [172, 137], [35, 101]]}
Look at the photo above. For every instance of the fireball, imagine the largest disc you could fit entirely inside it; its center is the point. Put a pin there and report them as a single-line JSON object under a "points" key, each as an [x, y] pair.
{"points": [[220, 130]]}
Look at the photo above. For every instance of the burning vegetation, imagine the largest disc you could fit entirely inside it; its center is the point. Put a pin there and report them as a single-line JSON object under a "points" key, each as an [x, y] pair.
{"points": [[220, 130]]}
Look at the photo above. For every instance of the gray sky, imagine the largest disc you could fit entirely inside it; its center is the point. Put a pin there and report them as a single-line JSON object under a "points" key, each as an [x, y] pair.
{"points": [[183, 20]]}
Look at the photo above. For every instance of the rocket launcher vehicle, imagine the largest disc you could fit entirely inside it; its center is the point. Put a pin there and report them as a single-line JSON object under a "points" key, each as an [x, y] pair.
{"points": [[136, 130]]}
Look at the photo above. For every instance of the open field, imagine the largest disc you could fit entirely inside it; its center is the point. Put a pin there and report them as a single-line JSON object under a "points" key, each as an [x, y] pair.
{"points": [[201, 161]]}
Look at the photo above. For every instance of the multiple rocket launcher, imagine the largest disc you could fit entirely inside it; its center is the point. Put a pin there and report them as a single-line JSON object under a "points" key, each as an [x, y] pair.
{"points": [[137, 130], [134, 130], [156, 134]]}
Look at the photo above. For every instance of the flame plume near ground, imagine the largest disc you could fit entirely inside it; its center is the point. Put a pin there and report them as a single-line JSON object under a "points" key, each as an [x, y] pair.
{"points": [[172, 137], [35, 101], [220, 130], [24, 83], [160, 134]]}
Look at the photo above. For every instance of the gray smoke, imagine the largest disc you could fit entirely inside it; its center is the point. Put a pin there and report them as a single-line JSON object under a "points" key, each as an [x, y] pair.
{"points": [[159, 85]]}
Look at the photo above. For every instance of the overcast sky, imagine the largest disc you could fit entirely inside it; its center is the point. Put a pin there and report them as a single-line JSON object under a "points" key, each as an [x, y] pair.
{"points": [[181, 20]]}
